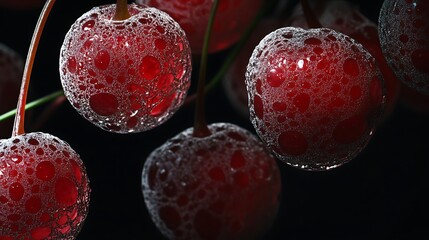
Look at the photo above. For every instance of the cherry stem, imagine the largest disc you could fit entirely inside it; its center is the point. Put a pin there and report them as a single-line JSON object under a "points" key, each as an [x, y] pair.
{"points": [[18, 126], [121, 12], [200, 125], [309, 14]]}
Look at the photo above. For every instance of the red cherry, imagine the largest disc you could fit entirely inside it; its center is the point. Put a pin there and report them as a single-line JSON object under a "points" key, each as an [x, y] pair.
{"points": [[125, 75], [11, 67], [44, 189], [404, 36], [223, 186], [315, 96], [193, 16]]}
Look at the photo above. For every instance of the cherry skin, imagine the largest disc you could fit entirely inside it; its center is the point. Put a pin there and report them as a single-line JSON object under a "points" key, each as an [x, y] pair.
{"points": [[315, 96], [125, 75], [223, 186], [193, 16], [404, 36], [11, 68], [44, 191]]}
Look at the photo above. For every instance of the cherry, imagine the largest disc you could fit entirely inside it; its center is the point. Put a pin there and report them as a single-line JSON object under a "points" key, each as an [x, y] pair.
{"points": [[222, 186], [233, 82], [346, 18], [11, 67], [404, 36], [126, 75], [315, 96], [193, 16], [44, 191]]}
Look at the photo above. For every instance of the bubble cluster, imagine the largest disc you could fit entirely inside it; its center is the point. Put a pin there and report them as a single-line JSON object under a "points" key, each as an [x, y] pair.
{"points": [[125, 76], [346, 18], [223, 186], [193, 17], [404, 36], [315, 96], [11, 68], [44, 189]]}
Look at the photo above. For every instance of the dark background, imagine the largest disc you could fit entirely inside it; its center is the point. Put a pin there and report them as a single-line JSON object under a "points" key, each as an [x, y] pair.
{"points": [[379, 195]]}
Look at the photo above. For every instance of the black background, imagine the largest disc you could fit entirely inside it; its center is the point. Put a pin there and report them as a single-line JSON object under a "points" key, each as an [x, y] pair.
{"points": [[379, 195]]}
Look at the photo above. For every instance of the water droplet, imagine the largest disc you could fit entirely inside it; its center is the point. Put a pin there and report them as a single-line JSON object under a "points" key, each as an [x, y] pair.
{"points": [[104, 104], [302, 102], [102, 60], [16, 191], [275, 77], [259, 107], [293, 143], [238, 160], [149, 68], [351, 67], [45, 170]]}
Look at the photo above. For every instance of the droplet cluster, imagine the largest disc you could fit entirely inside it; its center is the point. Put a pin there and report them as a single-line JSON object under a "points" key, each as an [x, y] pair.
{"points": [[11, 68], [404, 36], [345, 18], [315, 96], [223, 186], [125, 76], [44, 189], [193, 16]]}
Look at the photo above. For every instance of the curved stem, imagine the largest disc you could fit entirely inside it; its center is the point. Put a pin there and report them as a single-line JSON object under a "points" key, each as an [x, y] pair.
{"points": [[200, 125], [18, 126], [121, 12], [309, 14]]}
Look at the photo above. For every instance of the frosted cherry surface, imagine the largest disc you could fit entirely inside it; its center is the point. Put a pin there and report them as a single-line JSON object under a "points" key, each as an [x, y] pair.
{"points": [[44, 191], [232, 18], [404, 35], [315, 96], [11, 68], [344, 17], [223, 186], [125, 76]]}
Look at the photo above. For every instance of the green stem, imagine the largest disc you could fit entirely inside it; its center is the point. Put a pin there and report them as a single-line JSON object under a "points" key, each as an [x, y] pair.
{"points": [[121, 12], [200, 125], [18, 127], [33, 104], [309, 14]]}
